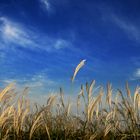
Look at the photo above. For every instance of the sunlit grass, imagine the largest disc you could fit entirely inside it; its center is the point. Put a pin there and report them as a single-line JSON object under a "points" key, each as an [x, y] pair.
{"points": [[100, 117]]}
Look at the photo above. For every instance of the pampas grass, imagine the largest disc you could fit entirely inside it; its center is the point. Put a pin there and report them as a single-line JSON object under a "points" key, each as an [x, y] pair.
{"points": [[79, 66], [117, 118]]}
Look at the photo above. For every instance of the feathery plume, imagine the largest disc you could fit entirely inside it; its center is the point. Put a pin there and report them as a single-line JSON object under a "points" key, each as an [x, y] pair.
{"points": [[79, 66]]}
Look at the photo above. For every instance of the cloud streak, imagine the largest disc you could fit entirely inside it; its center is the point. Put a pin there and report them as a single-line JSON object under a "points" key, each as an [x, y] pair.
{"points": [[137, 73], [132, 31], [39, 80], [14, 33], [46, 5]]}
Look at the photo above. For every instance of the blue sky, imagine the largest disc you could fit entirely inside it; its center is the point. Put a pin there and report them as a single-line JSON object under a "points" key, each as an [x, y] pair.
{"points": [[42, 41]]}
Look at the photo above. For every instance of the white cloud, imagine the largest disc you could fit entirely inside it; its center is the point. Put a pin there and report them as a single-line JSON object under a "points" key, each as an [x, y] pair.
{"points": [[129, 28], [135, 60], [13, 33], [46, 5], [60, 43], [137, 73], [40, 80], [35, 81]]}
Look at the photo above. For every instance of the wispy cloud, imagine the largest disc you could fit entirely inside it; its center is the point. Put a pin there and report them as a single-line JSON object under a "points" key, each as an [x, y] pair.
{"points": [[132, 31], [14, 33], [128, 26], [61, 43], [45, 4], [40, 86], [136, 75], [136, 60], [39, 80]]}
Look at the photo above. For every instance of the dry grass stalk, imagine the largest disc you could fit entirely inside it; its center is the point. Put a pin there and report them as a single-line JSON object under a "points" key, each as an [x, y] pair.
{"points": [[93, 137], [3, 92], [18, 122], [92, 106], [109, 95], [68, 108], [51, 100], [79, 66], [36, 124], [62, 98], [128, 90], [90, 90], [136, 96], [107, 129]]}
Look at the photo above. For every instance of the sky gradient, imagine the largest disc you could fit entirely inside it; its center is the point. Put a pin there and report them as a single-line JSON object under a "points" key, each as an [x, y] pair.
{"points": [[42, 41]]}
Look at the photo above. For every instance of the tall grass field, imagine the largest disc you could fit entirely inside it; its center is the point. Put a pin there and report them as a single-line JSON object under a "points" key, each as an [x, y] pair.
{"points": [[101, 117]]}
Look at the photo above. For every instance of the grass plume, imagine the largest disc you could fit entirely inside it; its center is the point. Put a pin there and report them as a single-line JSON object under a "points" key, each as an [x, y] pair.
{"points": [[100, 117]]}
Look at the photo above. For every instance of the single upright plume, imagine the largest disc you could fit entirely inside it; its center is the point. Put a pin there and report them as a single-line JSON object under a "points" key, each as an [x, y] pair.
{"points": [[79, 66]]}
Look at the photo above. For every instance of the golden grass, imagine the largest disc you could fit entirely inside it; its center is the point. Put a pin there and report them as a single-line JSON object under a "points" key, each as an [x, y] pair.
{"points": [[100, 117], [79, 66], [118, 118]]}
